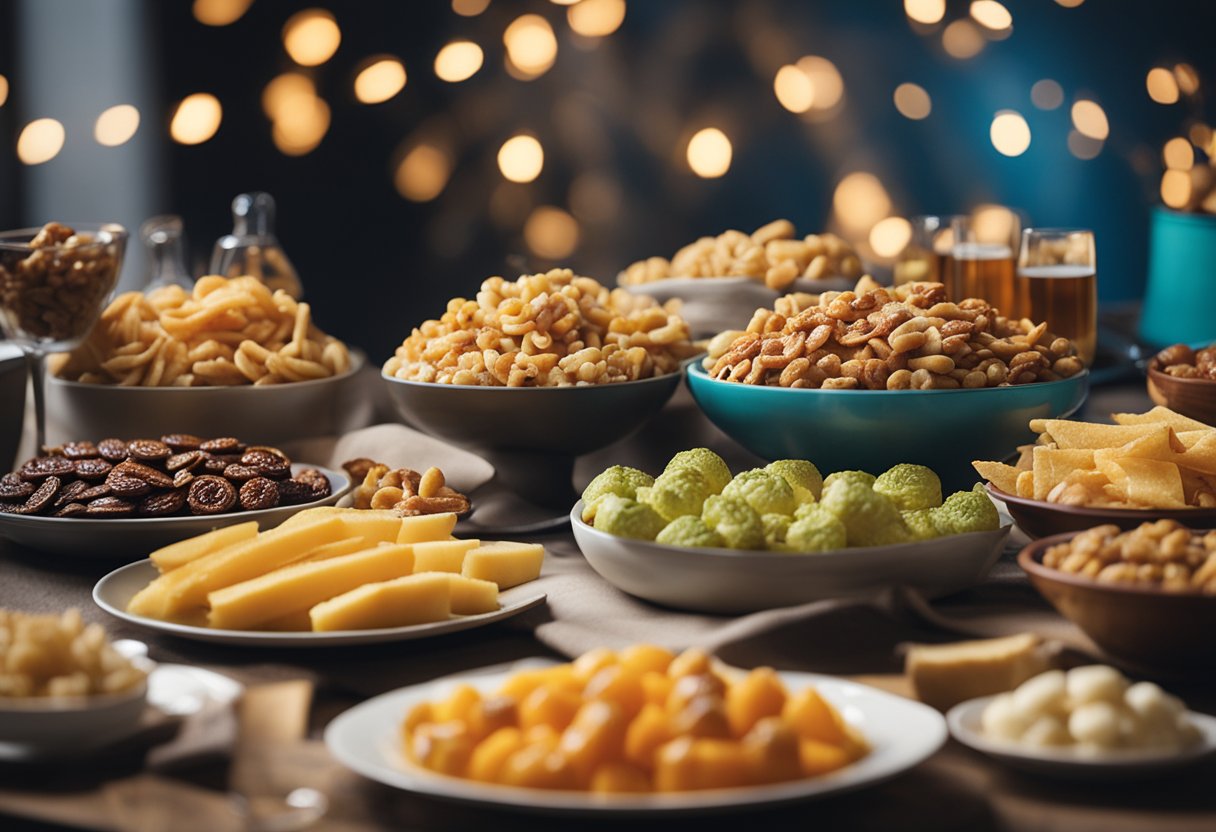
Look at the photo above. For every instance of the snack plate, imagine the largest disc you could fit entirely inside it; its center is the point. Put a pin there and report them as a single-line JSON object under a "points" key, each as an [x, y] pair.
{"points": [[964, 721], [1039, 518], [132, 537], [735, 581], [902, 734], [113, 592]]}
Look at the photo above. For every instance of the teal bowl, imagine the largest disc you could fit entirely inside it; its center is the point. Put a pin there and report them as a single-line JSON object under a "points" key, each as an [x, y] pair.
{"points": [[871, 430]]}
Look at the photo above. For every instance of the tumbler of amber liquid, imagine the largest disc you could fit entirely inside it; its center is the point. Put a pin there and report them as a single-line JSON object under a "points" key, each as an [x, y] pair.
{"points": [[1057, 282]]}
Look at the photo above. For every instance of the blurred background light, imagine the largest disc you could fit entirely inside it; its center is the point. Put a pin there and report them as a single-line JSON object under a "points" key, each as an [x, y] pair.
{"points": [[220, 12], [1090, 119], [469, 8], [1082, 146], [40, 141], [826, 84], [531, 45], [196, 118], [311, 37], [521, 158], [595, 18], [1070, 4], [927, 12], [991, 15], [859, 202], [913, 101], [1047, 94], [1187, 78], [888, 237], [380, 80], [1162, 86], [3, 90], [1178, 154], [299, 128], [551, 233], [423, 173], [458, 61], [116, 125], [1010, 133], [1176, 188], [962, 39], [709, 153], [286, 91], [794, 89]]}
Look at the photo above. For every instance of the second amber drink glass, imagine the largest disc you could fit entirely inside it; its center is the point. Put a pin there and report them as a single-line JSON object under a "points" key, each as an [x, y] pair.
{"points": [[1057, 282]]}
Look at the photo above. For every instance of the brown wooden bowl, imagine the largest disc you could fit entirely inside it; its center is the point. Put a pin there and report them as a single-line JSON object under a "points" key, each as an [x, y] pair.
{"points": [[1039, 518], [1145, 625], [1192, 397]]}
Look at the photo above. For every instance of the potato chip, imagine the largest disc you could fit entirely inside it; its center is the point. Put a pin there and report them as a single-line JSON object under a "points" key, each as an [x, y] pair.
{"points": [[1070, 435], [1161, 445], [1051, 465], [1025, 484], [1150, 483], [1162, 416], [1004, 477], [1201, 456], [1198, 490]]}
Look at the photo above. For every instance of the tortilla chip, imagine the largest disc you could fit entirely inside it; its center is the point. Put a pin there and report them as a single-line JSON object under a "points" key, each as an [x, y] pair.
{"points": [[1025, 484], [1004, 477], [1201, 456], [1149, 483], [1160, 416], [1052, 465], [1070, 435]]}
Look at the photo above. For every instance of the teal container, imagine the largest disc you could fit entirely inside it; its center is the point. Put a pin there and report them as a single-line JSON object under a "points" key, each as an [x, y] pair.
{"points": [[1180, 301], [871, 430]]}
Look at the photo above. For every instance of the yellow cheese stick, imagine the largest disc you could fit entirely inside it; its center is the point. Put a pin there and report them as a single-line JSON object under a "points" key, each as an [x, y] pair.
{"points": [[426, 527], [332, 550], [442, 555], [506, 564], [293, 622], [414, 599], [381, 526], [471, 596], [248, 604], [192, 548]]}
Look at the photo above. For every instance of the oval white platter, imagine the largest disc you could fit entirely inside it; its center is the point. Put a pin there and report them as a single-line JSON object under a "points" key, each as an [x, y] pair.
{"points": [[1078, 763], [901, 733], [113, 592]]}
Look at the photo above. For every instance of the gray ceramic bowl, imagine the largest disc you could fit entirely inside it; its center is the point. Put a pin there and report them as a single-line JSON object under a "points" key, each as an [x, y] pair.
{"points": [[12, 403], [268, 415], [731, 581], [532, 435], [58, 721]]}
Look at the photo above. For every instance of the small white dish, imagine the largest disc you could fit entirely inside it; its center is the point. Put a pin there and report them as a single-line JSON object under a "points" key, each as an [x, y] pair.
{"points": [[132, 537], [1076, 763], [113, 592], [730, 581], [901, 733]]}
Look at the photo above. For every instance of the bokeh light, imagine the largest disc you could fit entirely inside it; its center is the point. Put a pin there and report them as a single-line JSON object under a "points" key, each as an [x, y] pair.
{"points": [[826, 83], [299, 129], [794, 89], [596, 18], [991, 15], [423, 173], [1069, 4], [890, 236], [1176, 188], [3, 90], [551, 233], [1162, 86], [380, 80], [286, 91], [709, 153], [595, 197], [521, 158], [991, 223], [860, 201], [1082, 146], [1178, 154], [469, 8], [196, 118], [1090, 119], [913, 101], [116, 125], [1010, 133], [925, 11], [1187, 78], [531, 45], [962, 39], [220, 12], [458, 61], [1047, 94], [311, 37], [40, 141]]}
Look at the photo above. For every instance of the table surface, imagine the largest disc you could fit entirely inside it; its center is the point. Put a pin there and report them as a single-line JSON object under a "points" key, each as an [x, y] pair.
{"points": [[293, 694]]}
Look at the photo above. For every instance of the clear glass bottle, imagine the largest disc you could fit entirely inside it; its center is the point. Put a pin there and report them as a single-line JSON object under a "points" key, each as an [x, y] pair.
{"points": [[166, 245], [253, 249]]}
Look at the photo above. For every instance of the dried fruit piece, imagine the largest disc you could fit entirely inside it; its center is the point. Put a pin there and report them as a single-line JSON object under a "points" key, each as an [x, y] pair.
{"points": [[163, 504], [259, 493], [41, 498], [222, 445], [41, 467], [211, 495], [150, 475], [186, 460], [241, 473], [71, 510], [92, 469], [80, 450], [149, 450], [180, 442], [113, 450], [110, 507], [12, 487], [70, 492]]}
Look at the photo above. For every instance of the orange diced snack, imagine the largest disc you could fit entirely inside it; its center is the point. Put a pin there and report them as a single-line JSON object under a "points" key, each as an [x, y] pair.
{"points": [[637, 721]]}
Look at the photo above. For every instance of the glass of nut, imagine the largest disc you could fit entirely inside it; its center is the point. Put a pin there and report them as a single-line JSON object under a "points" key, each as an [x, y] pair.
{"points": [[54, 281]]}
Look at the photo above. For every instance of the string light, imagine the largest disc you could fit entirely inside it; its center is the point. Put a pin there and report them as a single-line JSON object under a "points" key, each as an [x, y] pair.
{"points": [[913, 101], [596, 18], [423, 173], [1161, 85], [890, 236], [521, 158], [794, 89], [40, 141], [469, 8], [458, 61], [927, 12], [116, 125], [531, 45], [551, 233], [962, 40], [860, 201], [1047, 94], [1090, 119], [196, 119], [1178, 154], [380, 80], [1010, 133], [709, 153], [220, 12], [311, 37]]}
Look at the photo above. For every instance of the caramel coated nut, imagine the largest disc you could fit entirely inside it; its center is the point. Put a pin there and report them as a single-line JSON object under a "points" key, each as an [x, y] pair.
{"points": [[211, 495], [259, 493]]}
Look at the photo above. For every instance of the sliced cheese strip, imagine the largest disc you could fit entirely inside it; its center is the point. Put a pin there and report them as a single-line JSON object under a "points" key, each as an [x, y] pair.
{"points": [[442, 555], [426, 527], [414, 599], [506, 564], [471, 596], [178, 554]]}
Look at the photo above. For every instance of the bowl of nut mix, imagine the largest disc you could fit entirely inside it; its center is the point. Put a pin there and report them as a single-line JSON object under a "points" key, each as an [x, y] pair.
{"points": [[714, 281], [873, 377], [534, 372], [228, 355], [1147, 595], [119, 497], [1184, 380]]}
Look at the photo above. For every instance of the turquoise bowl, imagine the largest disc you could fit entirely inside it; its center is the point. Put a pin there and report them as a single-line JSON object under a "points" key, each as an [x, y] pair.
{"points": [[871, 430]]}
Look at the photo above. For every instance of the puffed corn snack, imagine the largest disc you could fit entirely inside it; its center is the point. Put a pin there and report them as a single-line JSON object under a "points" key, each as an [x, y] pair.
{"points": [[544, 330], [772, 254], [60, 655], [907, 337], [223, 332]]}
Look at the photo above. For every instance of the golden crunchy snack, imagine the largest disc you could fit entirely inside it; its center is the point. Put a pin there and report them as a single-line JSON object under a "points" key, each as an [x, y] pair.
{"points": [[908, 337], [1183, 362], [641, 720], [544, 330], [224, 332], [1165, 553], [59, 655], [772, 254], [403, 489]]}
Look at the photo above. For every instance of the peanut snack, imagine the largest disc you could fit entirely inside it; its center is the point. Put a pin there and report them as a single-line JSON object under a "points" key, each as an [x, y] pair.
{"points": [[403, 489], [1164, 553], [771, 254], [1181, 361], [224, 332], [544, 330], [641, 720], [906, 338], [59, 655]]}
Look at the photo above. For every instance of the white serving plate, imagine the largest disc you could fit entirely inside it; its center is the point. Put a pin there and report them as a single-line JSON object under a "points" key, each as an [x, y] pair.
{"points": [[1078, 764], [133, 537], [902, 734], [736, 581], [113, 592]]}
